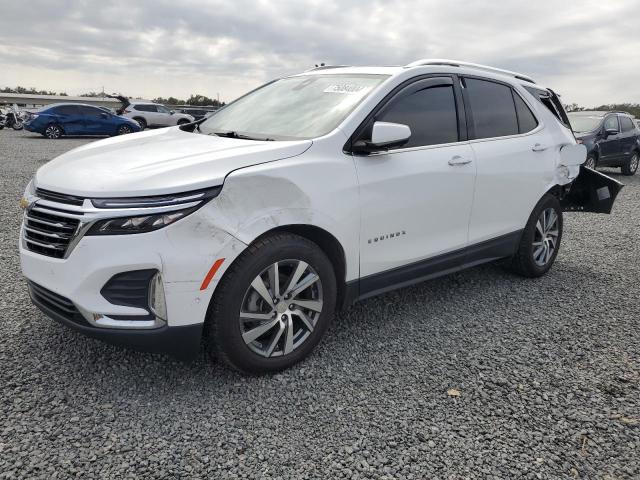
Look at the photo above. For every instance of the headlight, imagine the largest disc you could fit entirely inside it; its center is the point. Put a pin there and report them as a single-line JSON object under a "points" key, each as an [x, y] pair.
{"points": [[29, 194], [142, 222]]}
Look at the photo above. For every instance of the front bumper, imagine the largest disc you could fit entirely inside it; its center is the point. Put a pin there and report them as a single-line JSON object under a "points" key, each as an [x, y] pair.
{"points": [[182, 253], [182, 342]]}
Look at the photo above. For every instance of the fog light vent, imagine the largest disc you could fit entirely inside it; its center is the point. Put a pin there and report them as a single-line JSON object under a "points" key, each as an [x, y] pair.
{"points": [[157, 301]]}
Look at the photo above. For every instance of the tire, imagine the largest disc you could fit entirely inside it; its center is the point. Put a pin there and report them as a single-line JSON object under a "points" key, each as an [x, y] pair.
{"points": [[142, 122], [529, 260], [234, 340], [53, 131], [18, 125], [124, 130], [591, 162], [632, 165]]}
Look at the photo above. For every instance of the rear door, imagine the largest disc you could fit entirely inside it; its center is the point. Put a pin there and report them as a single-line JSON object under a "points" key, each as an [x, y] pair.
{"points": [[610, 149], [70, 119], [628, 135], [514, 156]]}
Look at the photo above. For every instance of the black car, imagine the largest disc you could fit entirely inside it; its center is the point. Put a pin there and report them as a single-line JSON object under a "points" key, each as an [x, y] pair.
{"points": [[612, 139]]}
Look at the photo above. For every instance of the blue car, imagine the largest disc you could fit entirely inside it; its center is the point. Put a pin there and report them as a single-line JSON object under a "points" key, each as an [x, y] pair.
{"points": [[61, 119]]}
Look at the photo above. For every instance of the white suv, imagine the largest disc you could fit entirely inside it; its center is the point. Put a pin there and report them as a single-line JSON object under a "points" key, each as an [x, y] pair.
{"points": [[149, 114], [250, 229]]}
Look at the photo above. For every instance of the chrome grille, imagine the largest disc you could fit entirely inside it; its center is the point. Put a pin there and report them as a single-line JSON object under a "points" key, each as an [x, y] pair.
{"points": [[59, 197], [47, 233]]}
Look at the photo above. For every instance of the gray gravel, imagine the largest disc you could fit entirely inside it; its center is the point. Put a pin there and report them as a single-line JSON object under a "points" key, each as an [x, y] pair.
{"points": [[548, 372]]}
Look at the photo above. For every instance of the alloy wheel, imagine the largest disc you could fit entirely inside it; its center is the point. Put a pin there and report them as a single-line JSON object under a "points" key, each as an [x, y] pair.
{"points": [[53, 131], [124, 129], [280, 308], [545, 239], [590, 162], [633, 163]]}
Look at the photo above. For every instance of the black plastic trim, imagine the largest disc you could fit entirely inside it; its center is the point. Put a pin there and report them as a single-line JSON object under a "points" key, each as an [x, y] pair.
{"points": [[129, 289], [487, 251]]}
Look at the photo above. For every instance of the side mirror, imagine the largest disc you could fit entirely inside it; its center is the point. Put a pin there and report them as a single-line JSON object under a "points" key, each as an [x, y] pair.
{"points": [[172, 112], [384, 135], [610, 131]]}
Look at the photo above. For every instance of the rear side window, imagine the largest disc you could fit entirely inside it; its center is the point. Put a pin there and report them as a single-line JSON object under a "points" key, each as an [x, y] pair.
{"points": [[493, 111], [91, 111], [526, 120], [145, 108], [67, 110], [430, 113], [626, 124]]}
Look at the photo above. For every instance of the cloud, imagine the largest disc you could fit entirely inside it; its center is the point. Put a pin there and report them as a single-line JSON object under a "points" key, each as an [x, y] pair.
{"points": [[160, 47]]}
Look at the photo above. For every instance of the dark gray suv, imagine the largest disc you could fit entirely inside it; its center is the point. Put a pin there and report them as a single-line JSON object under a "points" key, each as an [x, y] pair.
{"points": [[612, 139]]}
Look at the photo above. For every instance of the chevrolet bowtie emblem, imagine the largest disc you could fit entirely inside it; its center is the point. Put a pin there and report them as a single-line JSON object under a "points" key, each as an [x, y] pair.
{"points": [[24, 203]]}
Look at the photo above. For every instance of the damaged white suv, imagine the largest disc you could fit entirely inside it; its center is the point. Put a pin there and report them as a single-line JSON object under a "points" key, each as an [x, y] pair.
{"points": [[250, 229]]}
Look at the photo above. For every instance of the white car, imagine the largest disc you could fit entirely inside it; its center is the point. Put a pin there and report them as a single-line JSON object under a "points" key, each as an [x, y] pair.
{"points": [[303, 196], [149, 114]]}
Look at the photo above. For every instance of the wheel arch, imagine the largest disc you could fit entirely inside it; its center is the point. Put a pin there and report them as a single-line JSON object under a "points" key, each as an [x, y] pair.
{"points": [[328, 243]]}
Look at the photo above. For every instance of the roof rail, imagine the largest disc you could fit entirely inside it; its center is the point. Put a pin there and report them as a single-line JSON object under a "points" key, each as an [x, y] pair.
{"points": [[326, 67], [456, 63]]}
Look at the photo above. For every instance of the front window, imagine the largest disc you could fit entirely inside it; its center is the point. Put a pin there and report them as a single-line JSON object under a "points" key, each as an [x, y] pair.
{"points": [[301, 107], [584, 123], [163, 109]]}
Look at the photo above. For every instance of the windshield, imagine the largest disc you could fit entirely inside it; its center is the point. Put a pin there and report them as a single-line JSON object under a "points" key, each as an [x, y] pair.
{"points": [[583, 123], [302, 107]]}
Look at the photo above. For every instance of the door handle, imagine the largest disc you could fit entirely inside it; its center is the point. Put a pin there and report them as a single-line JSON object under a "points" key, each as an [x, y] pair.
{"points": [[539, 147], [458, 160]]}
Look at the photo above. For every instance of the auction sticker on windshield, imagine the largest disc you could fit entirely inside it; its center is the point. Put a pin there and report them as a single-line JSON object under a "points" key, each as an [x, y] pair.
{"points": [[347, 88]]}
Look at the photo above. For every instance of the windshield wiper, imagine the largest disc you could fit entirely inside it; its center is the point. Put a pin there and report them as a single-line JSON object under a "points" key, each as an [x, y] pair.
{"points": [[233, 134]]}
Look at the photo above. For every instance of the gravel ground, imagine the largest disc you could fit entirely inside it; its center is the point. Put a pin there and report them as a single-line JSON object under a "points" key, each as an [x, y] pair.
{"points": [[548, 372]]}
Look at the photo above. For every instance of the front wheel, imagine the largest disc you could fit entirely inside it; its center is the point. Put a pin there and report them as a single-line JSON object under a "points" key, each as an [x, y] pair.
{"points": [[540, 240], [124, 130], [632, 165], [590, 162], [18, 125], [273, 305]]}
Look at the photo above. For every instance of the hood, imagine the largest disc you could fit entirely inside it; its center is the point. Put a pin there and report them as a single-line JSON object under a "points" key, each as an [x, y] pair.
{"points": [[155, 162]]}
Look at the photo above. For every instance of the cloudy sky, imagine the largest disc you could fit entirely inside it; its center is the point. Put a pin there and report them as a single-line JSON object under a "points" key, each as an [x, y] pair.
{"points": [[589, 51]]}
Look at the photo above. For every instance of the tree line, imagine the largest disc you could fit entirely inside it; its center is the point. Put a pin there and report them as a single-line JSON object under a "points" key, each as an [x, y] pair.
{"points": [[632, 108], [194, 99]]}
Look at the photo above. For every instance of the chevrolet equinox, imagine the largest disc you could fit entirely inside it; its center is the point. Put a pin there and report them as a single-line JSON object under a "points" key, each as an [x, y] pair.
{"points": [[246, 231]]}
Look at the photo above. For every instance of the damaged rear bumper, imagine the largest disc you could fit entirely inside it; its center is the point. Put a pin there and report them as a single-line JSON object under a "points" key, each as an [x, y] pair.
{"points": [[591, 191]]}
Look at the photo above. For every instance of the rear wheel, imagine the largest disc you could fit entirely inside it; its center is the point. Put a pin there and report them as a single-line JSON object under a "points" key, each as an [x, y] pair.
{"points": [[632, 164], [273, 305], [53, 131], [142, 122], [540, 239]]}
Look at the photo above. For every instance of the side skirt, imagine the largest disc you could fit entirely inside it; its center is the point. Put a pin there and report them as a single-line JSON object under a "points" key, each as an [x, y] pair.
{"points": [[487, 251]]}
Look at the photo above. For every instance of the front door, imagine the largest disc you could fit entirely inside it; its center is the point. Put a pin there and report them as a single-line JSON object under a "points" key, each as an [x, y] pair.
{"points": [[416, 200], [610, 150]]}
